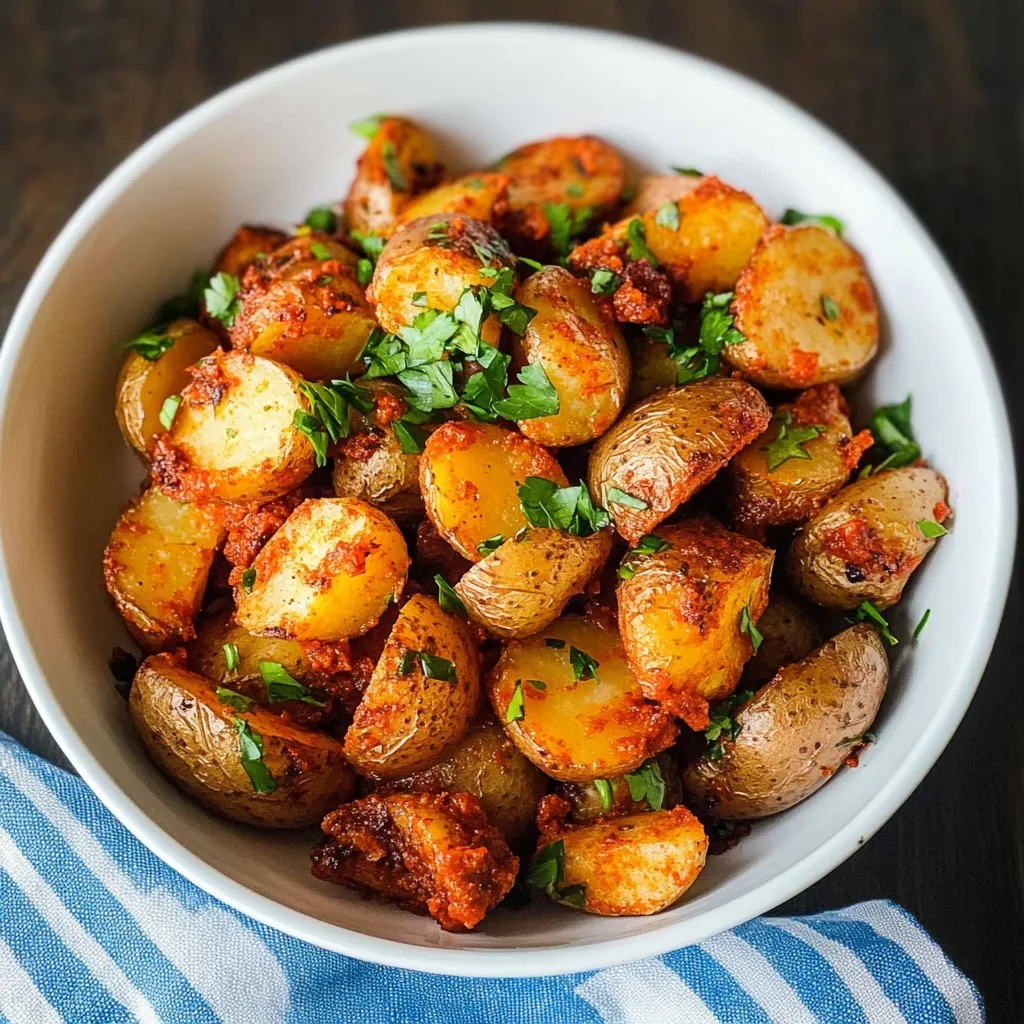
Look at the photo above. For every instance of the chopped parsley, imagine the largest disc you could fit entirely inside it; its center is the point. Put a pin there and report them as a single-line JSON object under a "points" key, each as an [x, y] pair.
{"points": [[533, 397], [537, 684], [747, 626], [920, 626], [566, 224], [364, 271], [151, 344], [322, 218], [328, 419], [250, 749], [409, 432], [392, 168], [604, 282], [234, 699], [647, 545], [619, 497], [371, 244], [546, 504], [281, 686], [248, 580], [690, 172], [368, 127], [516, 710], [547, 869], [867, 612], [231, 657], [532, 264], [448, 599], [895, 445], [604, 794], [667, 216], [930, 529], [419, 298], [583, 665], [575, 190], [716, 331], [186, 304], [221, 296], [430, 665], [320, 251], [646, 783], [489, 546], [863, 738], [169, 410], [792, 216], [830, 308], [789, 442], [723, 726], [636, 235]]}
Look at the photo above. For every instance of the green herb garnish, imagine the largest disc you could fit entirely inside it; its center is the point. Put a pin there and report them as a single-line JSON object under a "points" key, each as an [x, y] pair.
{"points": [[233, 699], [364, 271], [583, 665], [747, 626], [169, 410], [636, 235], [430, 665], [723, 725], [248, 580], [489, 546], [604, 282], [516, 710], [830, 308], [616, 496], [250, 748], [789, 442], [322, 218], [647, 545], [547, 869], [368, 127], [392, 168], [920, 626], [534, 396], [646, 783], [667, 216], [690, 172], [281, 686], [151, 344], [566, 224], [221, 296], [930, 529], [792, 216], [867, 612], [546, 504], [232, 659], [448, 599], [605, 794]]}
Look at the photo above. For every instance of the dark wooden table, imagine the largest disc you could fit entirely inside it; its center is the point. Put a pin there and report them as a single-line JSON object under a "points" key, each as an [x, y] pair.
{"points": [[931, 92]]}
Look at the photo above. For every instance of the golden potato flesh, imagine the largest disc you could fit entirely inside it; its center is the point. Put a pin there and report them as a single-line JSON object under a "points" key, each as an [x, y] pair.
{"points": [[246, 244], [797, 730], [156, 565], [482, 196], [572, 726], [470, 475], [789, 630], [232, 437], [668, 446], [422, 696], [655, 190], [682, 614], [529, 579], [145, 384], [805, 304], [864, 544], [581, 351], [327, 574], [251, 766]]}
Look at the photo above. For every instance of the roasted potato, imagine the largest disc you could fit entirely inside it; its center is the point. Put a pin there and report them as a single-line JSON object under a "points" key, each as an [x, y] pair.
{"points": [[655, 190], [581, 351], [327, 574], [668, 446], [789, 631], [251, 766], [145, 384], [805, 304], [470, 475], [423, 695], [864, 544], [156, 565], [570, 724], [482, 196], [232, 437], [246, 244], [653, 367], [589, 801], [684, 614], [796, 731], [400, 162]]}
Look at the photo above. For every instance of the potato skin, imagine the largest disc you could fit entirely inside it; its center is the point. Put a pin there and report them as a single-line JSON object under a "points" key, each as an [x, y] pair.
{"points": [[408, 723], [864, 544], [482, 196], [470, 475], [654, 190], [679, 615], [794, 728], [669, 445], [578, 730], [193, 739], [790, 630], [527, 582], [582, 352], [248, 242], [779, 307], [143, 385], [327, 574]]}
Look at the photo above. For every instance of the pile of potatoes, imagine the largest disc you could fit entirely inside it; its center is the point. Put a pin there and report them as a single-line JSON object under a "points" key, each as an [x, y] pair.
{"points": [[458, 639]]}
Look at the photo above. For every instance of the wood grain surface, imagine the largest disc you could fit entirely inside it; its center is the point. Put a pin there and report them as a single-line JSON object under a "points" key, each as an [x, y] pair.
{"points": [[931, 92]]}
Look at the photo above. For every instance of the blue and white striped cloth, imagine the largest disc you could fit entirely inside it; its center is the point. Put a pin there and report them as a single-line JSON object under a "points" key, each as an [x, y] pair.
{"points": [[96, 930]]}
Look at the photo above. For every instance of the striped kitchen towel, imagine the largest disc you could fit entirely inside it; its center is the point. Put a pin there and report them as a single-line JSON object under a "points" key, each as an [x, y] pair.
{"points": [[96, 930]]}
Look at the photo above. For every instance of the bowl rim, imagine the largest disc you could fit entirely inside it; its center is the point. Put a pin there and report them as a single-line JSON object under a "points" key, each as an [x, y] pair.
{"points": [[513, 961]]}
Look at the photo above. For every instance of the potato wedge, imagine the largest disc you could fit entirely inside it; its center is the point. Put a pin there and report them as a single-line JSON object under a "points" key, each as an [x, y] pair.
{"points": [[156, 565], [416, 709], [482, 196], [807, 309], [251, 766], [327, 574], [572, 726], [864, 544], [669, 445], [789, 630], [233, 438], [682, 614], [470, 475], [246, 244], [797, 730]]}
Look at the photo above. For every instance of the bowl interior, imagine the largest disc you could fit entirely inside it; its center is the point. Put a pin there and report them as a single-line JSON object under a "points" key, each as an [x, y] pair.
{"points": [[267, 151]]}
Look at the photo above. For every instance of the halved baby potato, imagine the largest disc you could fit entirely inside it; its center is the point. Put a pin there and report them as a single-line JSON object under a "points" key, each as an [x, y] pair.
{"points": [[245, 246], [482, 196], [327, 574], [789, 631]]}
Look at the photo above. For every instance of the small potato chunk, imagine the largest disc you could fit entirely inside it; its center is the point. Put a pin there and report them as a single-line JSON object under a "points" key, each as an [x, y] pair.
{"points": [[470, 475], [156, 566], [790, 631], [423, 851], [668, 446], [481, 196], [572, 726], [653, 367], [251, 766], [247, 243], [303, 306], [327, 574], [681, 614], [206, 655], [806, 307], [586, 803], [144, 385], [581, 351], [864, 544], [232, 438], [529, 580], [655, 190], [399, 163], [410, 717], [435, 255], [797, 730]]}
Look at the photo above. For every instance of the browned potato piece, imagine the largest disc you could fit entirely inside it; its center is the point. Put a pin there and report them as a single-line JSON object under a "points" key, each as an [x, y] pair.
{"points": [[864, 544], [789, 630], [144, 385], [571, 725], [327, 574], [436, 256], [797, 730], [416, 708], [654, 190], [807, 309], [682, 614], [156, 565], [581, 351], [587, 803], [481, 196], [470, 475], [246, 244], [668, 446], [251, 766], [303, 306], [529, 580], [399, 163]]}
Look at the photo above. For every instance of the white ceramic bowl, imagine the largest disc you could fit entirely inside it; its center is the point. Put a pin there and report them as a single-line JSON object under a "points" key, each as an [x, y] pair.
{"points": [[267, 150]]}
